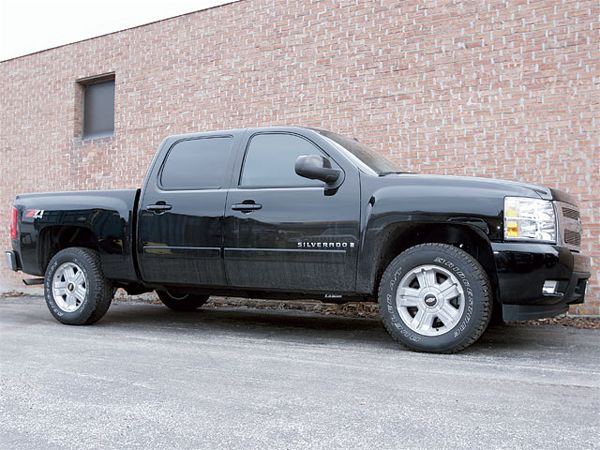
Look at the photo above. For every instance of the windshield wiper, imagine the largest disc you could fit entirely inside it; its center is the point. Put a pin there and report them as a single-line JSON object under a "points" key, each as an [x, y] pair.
{"points": [[391, 172]]}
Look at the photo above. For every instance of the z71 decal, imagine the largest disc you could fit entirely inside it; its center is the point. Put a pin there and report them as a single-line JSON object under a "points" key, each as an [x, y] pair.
{"points": [[33, 214]]}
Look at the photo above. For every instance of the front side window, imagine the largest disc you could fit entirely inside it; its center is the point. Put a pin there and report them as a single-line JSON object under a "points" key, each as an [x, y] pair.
{"points": [[271, 158], [98, 108], [197, 164]]}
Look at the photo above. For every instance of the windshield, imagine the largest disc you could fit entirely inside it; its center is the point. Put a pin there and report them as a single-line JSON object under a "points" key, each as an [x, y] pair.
{"points": [[367, 159]]}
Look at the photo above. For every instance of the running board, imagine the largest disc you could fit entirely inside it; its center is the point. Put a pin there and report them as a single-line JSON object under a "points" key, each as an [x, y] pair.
{"points": [[32, 281]]}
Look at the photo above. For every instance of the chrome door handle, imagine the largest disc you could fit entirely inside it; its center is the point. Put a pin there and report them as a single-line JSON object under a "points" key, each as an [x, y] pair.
{"points": [[246, 207], [159, 207]]}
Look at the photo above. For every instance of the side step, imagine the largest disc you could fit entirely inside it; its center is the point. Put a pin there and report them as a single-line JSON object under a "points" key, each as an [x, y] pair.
{"points": [[32, 281]]}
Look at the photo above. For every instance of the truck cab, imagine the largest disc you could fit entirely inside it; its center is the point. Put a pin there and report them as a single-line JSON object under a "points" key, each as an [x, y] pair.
{"points": [[229, 210]]}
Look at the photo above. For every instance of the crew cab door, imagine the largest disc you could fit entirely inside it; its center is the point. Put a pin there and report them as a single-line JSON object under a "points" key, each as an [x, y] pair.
{"points": [[180, 230], [286, 232]]}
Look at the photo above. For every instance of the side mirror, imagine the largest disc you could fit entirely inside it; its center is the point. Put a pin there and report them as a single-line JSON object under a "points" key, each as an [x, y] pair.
{"points": [[316, 167]]}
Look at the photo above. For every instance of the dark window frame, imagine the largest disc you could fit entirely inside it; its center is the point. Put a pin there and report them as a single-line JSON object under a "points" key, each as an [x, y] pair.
{"points": [[286, 133], [85, 84], [229, 164]]}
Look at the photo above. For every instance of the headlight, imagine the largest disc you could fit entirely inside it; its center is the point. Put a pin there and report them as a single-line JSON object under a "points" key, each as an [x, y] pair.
{"points": [[529, 219]]}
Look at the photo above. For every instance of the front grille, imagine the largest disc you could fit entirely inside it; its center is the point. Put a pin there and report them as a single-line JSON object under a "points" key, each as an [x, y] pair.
{"points": [[570, 213], [572, 238], [569, 224]]}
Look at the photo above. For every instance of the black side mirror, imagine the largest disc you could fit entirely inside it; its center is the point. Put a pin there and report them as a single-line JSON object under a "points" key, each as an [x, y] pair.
{"points": [[316, 167]]}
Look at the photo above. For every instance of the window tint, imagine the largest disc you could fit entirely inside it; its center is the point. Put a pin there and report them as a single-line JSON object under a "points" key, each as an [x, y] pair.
{"points": [[197, 164], [271, 158], [99, 109]]}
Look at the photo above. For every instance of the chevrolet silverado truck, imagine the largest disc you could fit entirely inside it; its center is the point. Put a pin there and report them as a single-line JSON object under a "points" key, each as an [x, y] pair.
{"points": [[294, 213]]}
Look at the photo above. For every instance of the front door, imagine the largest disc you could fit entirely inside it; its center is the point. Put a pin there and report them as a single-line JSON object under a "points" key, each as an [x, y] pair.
{"points": [[286, 232], [181, 213]]}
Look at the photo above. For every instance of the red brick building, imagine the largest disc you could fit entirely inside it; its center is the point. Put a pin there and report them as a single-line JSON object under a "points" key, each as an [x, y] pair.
{"points": [[507, 89]]}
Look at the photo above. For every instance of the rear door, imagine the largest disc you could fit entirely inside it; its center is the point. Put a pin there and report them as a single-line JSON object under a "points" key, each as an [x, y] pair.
{"points": [[180, 231], [286, 232]]}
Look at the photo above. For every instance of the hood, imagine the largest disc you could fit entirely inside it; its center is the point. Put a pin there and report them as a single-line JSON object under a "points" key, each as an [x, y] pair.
{"points": [[501, 188]]}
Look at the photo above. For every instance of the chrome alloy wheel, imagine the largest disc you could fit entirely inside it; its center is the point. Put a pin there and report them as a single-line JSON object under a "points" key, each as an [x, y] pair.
{"points": [[69, 287], [430, 300]]}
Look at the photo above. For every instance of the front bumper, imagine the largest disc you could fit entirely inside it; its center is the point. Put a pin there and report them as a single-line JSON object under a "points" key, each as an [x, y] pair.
{"points": [[523, 269], [12, 260]]}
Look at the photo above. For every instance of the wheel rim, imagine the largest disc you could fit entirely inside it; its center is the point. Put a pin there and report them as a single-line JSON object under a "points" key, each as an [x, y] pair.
{"points": [[430, 300], [69, 287]]}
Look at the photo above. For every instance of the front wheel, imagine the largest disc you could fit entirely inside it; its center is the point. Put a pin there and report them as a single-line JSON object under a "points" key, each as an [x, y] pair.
{"points": [[182, 301], [435, 298]]}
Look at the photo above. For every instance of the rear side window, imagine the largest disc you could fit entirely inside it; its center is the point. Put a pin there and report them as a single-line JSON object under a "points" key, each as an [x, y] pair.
{"points": [[270, 161], [197, 164]]}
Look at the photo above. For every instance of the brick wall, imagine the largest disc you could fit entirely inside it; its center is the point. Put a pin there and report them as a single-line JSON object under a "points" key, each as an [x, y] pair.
{"points": [[507, 89]]}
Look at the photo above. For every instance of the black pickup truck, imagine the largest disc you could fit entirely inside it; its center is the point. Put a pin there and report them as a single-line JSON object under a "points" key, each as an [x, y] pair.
{"points": [[292, 213]]}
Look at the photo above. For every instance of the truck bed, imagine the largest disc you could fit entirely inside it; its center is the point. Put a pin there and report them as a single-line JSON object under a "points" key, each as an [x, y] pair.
{"points": [[47, 218]]}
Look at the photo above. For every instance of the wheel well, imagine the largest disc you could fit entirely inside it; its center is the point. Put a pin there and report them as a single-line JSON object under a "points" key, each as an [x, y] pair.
{"points": [[54, 239], [461, 236]]}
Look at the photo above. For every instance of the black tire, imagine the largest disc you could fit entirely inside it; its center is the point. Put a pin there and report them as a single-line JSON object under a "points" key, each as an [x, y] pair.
{"points": [[98, 289], [183, 301], [468, 325]]}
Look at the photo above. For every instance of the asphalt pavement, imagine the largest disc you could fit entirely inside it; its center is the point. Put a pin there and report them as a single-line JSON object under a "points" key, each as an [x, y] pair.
{"points": [[147, 377]]}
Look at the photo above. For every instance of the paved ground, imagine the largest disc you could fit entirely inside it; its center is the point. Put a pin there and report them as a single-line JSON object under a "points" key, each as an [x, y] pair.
{"points": [[145, 377]]}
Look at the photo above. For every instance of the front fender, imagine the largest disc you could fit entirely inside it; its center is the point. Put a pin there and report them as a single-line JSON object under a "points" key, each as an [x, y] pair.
{"points": [[403, 216]]}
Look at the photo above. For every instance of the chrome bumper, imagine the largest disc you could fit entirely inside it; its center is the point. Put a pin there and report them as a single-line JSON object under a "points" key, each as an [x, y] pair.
{"points": [[11, 260]]}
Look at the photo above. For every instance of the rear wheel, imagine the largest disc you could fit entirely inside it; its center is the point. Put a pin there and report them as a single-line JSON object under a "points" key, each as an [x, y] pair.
{"points": [[182, 301], [435, 298], [75, 288]]}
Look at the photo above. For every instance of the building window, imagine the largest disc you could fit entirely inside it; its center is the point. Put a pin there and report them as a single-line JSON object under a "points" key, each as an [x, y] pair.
{"points": [[98, 106]]}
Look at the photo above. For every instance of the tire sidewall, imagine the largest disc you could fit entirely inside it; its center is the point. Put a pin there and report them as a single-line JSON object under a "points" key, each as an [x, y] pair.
{"points": [[474, 296], [88, 306], [187, 302]]}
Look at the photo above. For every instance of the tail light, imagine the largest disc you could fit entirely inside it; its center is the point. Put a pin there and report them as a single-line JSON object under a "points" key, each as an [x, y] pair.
{"points": [[13, 223]]}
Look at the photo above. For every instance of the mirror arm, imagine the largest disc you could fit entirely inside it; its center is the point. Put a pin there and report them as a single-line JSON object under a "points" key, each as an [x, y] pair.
{"points": [[333, 185]]}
